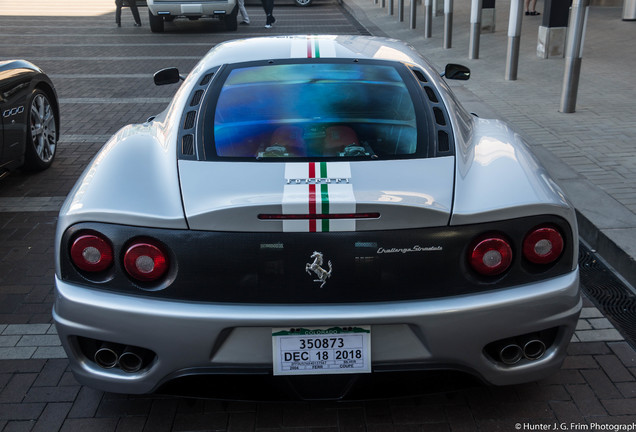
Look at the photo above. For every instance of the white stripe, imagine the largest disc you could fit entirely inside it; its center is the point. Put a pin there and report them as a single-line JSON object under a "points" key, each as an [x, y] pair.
{"points": [[296, 197], [339, 170], [327, 48], [341, 200], [299, 48]]}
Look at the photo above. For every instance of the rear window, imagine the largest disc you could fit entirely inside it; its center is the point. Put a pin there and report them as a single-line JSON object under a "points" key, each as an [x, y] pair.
{"points": [[315, 110]]}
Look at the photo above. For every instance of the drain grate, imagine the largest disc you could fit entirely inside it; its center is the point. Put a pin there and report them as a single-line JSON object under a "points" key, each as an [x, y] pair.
{"points": [[608, 293]]}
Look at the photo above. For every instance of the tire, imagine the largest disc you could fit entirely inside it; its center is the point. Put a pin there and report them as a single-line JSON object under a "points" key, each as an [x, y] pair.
{"points": [[230, 20], [302, 3], [41, 135], [156, 22]]}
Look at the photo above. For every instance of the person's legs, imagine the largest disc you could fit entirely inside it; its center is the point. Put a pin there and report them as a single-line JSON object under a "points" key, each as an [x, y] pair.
{"points": [[118, 4], [268, 7], [243, 11], [135, 11]]}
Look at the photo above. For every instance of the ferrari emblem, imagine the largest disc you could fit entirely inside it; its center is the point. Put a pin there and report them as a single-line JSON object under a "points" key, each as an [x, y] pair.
{"points": [[316, 267]]}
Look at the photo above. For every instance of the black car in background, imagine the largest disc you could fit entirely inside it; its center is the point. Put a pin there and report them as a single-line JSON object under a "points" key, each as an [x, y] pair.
{"points": [[30, 117]]}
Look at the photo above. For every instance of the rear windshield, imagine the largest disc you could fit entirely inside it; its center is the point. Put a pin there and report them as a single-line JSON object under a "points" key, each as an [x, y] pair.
{"points": [[315, 110]]}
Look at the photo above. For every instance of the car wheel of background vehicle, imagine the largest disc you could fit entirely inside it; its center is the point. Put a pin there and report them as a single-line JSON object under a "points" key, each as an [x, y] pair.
{"points": [[41, 137], [303, 3], [156, 22], [230, 20]]}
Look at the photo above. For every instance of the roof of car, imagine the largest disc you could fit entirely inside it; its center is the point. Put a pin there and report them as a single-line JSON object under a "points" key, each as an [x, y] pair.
{"points": [[312, 46]]}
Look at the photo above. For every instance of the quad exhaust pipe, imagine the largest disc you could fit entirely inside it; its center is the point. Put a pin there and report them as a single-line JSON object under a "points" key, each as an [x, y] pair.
{"points": [[129, 359], [106, 356], [511, 351]]}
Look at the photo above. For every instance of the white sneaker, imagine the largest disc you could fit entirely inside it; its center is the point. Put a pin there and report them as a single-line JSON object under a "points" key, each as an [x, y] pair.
{"points": [[268, 26]]}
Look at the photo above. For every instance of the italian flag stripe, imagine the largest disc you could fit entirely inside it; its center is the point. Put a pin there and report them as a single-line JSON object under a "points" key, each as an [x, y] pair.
{"points": [[324, 196], [313, 48], [307, 194]]}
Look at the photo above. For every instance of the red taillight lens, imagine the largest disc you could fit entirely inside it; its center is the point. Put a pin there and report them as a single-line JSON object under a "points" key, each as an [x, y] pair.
{"points": [[543, 245], [145, 261], [91, 252], [491, 256]]}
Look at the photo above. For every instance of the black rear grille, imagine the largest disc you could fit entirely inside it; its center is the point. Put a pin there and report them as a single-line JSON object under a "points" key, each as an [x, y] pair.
{"points": [[206, 79], [196, 98], [189, 121], [368, 266], [187, 145]]}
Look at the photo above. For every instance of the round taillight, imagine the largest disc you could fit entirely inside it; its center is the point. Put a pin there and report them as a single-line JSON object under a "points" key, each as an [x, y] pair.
{"points": [[91, 252], [543, 245], [491, 256], [145, 261]]}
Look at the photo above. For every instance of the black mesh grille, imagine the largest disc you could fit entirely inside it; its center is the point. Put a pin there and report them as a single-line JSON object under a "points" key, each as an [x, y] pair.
{"points": [[431, 94], [608, 293], [187, 145], [189, 121], [206, 79], [443, 144], [196, 98], [439, 117]]}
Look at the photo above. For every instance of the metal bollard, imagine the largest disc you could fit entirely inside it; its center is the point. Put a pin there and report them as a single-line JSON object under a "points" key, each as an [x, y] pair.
{"points": [[413, 21], [390, 11], [401, 10], [475, 29], [448, 23], [574, 54], [514, 38], [428, 18]]}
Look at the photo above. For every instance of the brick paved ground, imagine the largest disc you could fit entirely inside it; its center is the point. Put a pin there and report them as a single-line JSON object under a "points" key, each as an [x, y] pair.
{"points": [[103, 79]]}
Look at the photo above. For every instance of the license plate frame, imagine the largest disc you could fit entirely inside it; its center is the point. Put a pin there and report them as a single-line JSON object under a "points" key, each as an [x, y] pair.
{"points": [[325, 350]]}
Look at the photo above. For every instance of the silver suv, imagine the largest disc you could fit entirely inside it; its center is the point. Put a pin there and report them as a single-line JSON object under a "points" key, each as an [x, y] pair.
{"points": [[160, 11]]}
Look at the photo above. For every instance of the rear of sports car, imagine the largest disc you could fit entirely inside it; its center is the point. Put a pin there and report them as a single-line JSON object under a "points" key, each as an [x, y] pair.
{"points": [[342, 220]]}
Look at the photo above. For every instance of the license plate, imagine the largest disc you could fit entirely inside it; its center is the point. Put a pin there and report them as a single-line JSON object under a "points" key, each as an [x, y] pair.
{"points": [[321, 350]]}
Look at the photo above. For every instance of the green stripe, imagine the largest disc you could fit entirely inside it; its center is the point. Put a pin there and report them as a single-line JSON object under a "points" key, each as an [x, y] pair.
{"points": [[323, 170], [324, 196], [317, 49]]}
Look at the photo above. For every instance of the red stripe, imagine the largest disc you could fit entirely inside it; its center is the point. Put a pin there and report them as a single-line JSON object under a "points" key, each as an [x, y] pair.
{"points": [[312, 197], [308, 48]]}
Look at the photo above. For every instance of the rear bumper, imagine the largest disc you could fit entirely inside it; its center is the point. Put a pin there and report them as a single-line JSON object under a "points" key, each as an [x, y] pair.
{"points": [[208, 339], [191, 9]]}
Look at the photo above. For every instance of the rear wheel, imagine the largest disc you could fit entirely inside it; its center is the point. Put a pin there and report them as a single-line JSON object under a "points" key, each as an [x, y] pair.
{"points": [[156, 22], [41, 139], [303, 3]]}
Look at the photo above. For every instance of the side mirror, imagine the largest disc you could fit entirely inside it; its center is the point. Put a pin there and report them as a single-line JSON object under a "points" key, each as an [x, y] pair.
{"points": [[456, 72], [167, 76]]}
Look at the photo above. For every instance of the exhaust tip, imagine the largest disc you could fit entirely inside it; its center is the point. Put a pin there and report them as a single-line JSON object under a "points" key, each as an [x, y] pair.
{"points": [[106, 357], [534, 349], [130, 360], [510, 354]]}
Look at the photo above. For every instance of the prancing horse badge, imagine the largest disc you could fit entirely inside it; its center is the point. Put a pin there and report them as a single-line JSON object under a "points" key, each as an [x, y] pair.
{"points": [[316, 267]]}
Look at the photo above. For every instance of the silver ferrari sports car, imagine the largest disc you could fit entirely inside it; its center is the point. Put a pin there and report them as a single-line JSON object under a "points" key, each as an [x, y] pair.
{"points": [[30, 117], [314, 212]]}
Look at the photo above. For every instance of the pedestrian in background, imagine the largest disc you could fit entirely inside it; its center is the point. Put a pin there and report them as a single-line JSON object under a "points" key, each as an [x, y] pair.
{"points": [[534, 8], [133, 9], [268, 7], [243, 11]]}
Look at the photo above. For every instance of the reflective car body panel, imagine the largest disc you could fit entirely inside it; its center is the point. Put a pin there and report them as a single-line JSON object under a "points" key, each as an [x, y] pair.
{"points": [[18, 79], [233, 202], [218, 208]]}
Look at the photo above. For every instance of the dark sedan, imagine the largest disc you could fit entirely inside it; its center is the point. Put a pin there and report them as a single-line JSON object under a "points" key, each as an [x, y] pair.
{"points": [[30, 124]]}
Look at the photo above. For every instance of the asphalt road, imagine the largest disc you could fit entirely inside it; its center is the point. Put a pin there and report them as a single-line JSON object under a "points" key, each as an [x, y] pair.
{"points": [[103, 76]]}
